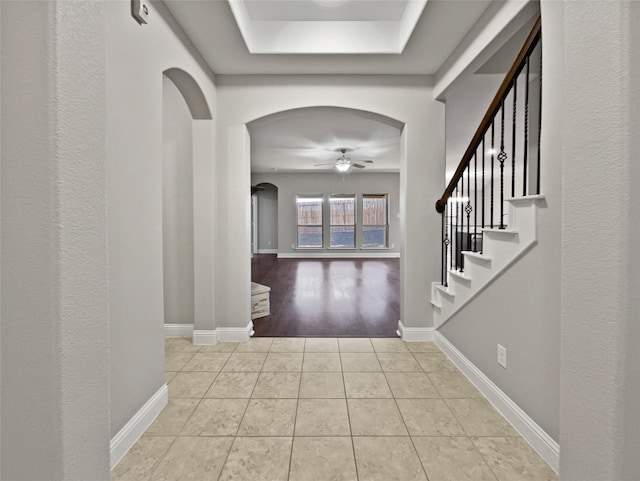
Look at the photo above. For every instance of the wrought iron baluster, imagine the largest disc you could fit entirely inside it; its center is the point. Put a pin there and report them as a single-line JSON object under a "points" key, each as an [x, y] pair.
{"points": [[451, 235], [526, 131], [502, 156], [483, 184], [475, 201], [539, 122], [513, 139], [458, 217], [493, 156], [468, 209], [445, 246], [461, 234]]}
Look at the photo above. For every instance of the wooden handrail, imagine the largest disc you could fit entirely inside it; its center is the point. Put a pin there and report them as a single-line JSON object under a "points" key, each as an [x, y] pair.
{"points": [[494, 107]]}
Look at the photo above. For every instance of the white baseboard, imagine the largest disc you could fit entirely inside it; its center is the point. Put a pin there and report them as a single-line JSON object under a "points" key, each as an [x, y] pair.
{"points": [[213, 336], [539, 440], [131, 432], [205, 336], [267, 251], [235, 334], [178, 330], [338, 255], [414, 334]]}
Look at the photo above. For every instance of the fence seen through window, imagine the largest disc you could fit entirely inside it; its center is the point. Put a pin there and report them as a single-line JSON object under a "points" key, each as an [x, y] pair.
{"points": [[309, 220], [342, 227], [343, 221], [375, 224]]}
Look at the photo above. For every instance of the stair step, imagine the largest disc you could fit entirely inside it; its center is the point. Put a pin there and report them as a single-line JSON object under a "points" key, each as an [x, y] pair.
{"points": [[460, 275], [446, 291], [504, 232], [526, 199], [476, 256], [436, 305]]}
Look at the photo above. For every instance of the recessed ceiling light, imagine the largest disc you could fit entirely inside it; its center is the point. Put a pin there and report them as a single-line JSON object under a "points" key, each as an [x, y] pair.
{"points": [[330, 3]]}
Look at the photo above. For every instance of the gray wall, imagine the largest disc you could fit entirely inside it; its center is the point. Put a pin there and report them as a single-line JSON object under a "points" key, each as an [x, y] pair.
{"points": [[600, 388], [55, 324], [466, 104], [521, 309], [134, 151], [177, 206], [289, 185], [268, 218]]}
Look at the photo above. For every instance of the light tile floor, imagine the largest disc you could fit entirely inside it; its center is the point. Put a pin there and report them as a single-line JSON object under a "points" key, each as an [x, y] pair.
{"points": [[293, 409]]}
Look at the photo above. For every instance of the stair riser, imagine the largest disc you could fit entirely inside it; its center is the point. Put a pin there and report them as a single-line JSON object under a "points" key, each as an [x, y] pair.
{"points": [[503, 248]]}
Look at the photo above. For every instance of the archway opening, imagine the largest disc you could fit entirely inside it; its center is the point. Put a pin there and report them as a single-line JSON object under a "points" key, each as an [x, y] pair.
{"points": [[177, 206], [339, 231], [265, 219], [188, 205]]}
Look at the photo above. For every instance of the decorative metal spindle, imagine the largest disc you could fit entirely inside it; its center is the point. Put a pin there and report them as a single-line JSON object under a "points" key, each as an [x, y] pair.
{"points": [[451, 234], [475, 201], [454, 231], [493, 157], [539, 123], [468, 209], [445, 247], [513, 139], [458, 231], [502, 156], [526, 131], [483, 189], [461, 234]]}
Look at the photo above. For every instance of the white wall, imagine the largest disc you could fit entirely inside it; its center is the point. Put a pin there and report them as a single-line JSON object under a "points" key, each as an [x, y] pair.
{"points": [[289, 185], [177, 206], [55, 324], [136, 56], [406, 99]]}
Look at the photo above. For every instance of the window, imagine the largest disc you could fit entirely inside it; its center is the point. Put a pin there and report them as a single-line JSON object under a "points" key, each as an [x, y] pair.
{"points": [[342, 226], [309, 209], [375, 225]]}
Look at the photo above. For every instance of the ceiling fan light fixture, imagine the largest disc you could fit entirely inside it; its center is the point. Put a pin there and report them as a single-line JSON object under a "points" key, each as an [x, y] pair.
{"points": [[343, 166]]}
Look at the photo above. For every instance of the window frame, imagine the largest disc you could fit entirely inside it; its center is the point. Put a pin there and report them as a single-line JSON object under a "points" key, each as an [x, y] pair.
{"points": [[309, 197], [385, 226], [353, 197]]}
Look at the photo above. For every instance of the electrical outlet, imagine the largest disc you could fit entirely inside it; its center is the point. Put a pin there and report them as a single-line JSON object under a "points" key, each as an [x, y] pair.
{"points": [[502, 356]]}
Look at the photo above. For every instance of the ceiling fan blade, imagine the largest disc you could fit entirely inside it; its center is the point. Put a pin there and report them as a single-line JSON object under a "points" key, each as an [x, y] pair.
{"points": [[358, 166], [327, 163]]}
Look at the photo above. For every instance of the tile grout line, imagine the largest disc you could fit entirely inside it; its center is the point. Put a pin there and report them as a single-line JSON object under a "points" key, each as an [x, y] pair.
{"points": [[346, 402], [226, 458], [175, 438], [295, 420], [395, 401]]}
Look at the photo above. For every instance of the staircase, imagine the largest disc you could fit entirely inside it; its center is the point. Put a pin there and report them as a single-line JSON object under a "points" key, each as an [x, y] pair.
{"points": [[501, 249]]}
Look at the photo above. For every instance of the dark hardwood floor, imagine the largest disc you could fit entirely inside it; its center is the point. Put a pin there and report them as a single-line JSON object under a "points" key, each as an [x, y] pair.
{"points": [[329, 297]]}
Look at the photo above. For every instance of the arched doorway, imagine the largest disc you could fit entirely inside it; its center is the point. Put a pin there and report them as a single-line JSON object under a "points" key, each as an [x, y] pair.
{"points": [[188, 207], [330, 269], [265, 219]]}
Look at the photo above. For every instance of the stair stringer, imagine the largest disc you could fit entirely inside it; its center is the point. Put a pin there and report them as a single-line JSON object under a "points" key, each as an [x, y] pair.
{"points": [[501, 249]]}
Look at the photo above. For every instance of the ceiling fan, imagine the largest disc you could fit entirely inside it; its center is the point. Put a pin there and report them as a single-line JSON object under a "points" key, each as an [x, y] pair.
{"points": [[344, 163]]}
